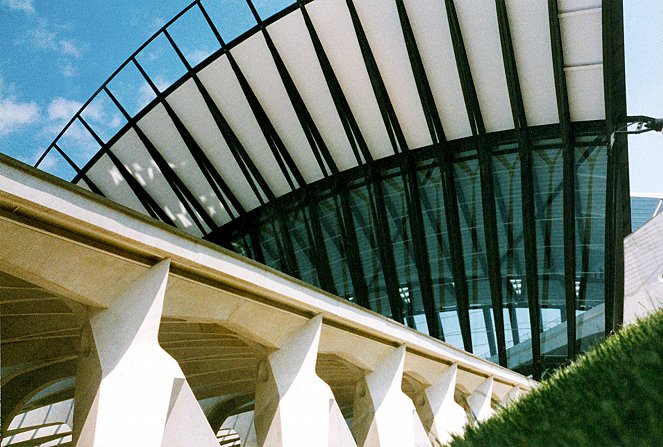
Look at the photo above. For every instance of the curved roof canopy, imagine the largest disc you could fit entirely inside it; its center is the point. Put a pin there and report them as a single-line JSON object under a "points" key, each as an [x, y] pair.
{"points": [[326, 92]]}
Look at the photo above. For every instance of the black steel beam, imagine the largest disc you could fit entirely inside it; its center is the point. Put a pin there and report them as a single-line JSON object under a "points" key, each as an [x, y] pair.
{"points": [[437, 136], [526, 171], [249, 169], [253, 177], [283, 158], [394, 131], [617, 208], [313, 136], [79, 173], [384, 244], [150, 205], [285, 162], [183, 193], [376, 194], [486, 173], [362, 155], [316, 142], [213, 177], [349, 122], [456, 248], [351, 247], [568, 180], [513, 319], [317, 241], [490, 331]]}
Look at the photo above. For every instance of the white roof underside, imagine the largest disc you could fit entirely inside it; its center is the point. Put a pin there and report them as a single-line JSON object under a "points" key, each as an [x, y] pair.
{"points": [[580, 23]]}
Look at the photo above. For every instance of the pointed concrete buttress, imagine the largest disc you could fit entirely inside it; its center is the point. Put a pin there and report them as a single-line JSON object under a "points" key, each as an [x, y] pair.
{"points": [[512, 396], [129, 391], [479, 401], [441, 416], [383, 415], [294, 407]]}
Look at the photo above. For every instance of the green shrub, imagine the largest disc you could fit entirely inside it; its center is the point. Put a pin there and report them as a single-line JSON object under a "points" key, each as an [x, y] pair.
{"points": [[611, 396]]}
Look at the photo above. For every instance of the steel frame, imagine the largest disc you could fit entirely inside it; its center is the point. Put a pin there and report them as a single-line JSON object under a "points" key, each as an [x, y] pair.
{"points": [[445, 153]]}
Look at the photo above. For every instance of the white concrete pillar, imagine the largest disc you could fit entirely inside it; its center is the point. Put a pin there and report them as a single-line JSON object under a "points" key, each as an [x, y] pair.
{"points": [[510, 397], [441, 416], [293, 406], [383, 415], [479, 401], [129, 391]]}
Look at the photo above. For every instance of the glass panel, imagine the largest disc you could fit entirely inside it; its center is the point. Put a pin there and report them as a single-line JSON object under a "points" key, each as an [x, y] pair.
{"points": [[78, 144], [161, 63], [193, 36], [480, 344], [56, 165], [510, 235], [429, 182], [451, 328], [231, 18], [468, 191], [470, 210], [267, 235], [242, 245], [360, 202], [590, 177], [267, 8], [302, 246], [642, 210], [103, 116], [549, 215], [329, 213], [398, 217], [131, 89], [298, 241]]}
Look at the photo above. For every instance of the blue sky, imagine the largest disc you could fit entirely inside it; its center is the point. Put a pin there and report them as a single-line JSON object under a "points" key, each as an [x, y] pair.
{"points": [[55, 54]]}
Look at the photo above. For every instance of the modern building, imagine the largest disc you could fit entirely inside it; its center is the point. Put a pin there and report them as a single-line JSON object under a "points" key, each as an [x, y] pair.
{"points": [[442, 163], [645, 207]]}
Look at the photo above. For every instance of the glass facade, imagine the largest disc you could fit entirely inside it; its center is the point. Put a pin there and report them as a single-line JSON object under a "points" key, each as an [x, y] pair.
{"points": [[643, 209], [356, 237], [498, 249]]}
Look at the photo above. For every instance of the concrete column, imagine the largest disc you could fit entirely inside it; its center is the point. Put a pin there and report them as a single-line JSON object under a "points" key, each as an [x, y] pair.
{"points": [[129, 391], [293, 406], [383, 415], [441, 416], [479, 401], [510, 397]]}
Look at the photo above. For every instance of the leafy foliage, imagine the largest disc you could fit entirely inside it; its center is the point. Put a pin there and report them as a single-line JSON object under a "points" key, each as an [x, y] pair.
{"points": [[611, 396]]}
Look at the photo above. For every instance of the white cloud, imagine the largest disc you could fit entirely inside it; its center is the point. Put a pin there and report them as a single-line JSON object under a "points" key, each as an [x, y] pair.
{"points": [[15, 114], [43, 38], [68, 70], [116, 121], [158, 22], [69, 48], [20, 5], [61, 109], [76, 140], [197, 56]]}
